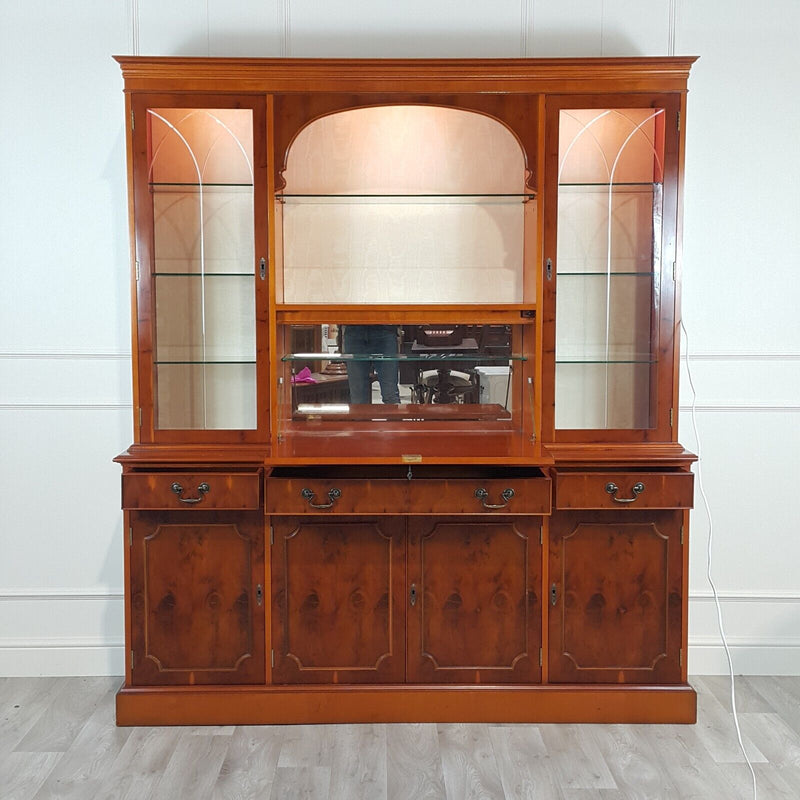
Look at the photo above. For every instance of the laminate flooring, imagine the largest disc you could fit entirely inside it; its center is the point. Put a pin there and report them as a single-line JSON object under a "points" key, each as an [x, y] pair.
{"points": [[58, 740]]}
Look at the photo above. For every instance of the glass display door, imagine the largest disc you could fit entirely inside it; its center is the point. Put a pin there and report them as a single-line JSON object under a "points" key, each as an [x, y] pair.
{"points": [[196, 186], [609, 249]]}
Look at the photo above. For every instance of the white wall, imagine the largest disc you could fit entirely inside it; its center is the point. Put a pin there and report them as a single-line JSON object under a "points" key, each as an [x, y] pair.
{"points": [[65, 400]]}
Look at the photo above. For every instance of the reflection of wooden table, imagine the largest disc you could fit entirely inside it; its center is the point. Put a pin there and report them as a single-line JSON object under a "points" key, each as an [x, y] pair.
{"points": [[444, 389], [327, 389], [409, 411]]}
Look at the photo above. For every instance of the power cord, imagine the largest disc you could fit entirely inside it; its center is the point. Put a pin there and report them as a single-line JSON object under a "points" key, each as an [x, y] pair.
{"points": [[707, 507]]}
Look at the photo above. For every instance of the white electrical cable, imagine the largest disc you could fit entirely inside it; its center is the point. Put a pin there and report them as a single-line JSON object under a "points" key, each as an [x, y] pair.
{"points": [[707, 507]]}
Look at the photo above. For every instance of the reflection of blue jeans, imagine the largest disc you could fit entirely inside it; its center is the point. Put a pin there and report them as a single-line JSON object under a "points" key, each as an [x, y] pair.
{"points": [[371, 340]]}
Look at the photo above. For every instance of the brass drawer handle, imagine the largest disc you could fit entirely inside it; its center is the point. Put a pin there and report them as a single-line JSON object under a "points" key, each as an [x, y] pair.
{"points": [[482, 494], [333, 495], [203, 489], [612, 489]]}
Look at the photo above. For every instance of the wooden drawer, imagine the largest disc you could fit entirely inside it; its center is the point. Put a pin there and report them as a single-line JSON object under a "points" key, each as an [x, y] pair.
{"points": [[389, 490], [332, 495], [633, 490], [200, 490], [479, 495]]}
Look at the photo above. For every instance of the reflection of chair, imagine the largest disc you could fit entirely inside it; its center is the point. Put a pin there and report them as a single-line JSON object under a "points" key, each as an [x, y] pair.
{"points": [[452, 381], [452, 387]]}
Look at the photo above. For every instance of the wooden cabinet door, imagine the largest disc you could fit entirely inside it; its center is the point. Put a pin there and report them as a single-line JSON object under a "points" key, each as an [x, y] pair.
{"points": [[474, 604], [197, 598], [615, 596], [338, 599]]}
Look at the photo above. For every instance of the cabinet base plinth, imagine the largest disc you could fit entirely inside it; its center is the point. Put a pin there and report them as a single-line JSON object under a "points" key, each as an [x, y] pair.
{"points": [[277, 705]]}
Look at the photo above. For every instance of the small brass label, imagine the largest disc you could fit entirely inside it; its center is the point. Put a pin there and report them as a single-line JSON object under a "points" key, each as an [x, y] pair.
{"points": [[411, 459]]}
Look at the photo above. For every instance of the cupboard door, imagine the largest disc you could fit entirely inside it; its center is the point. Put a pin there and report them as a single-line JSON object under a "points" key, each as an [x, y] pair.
{"points": [[338, 599], [474, 599], [199, 182], [615, 597], [197, 599], [610, 249]]}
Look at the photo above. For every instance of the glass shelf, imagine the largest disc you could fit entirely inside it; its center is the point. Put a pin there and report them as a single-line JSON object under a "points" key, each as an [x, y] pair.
{"points": [[470, 357], [406, 199]]}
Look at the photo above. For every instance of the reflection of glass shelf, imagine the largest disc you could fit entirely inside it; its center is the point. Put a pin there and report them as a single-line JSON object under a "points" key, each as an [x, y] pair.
{"points": [[200, 363], [605, 274], [430, 357], [410, 199], [606, 185], [204, 274], [195, 185], [589, 360]]}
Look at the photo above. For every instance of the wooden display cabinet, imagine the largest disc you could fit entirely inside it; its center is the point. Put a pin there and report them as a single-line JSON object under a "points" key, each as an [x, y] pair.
{"points": [[405, 390]]}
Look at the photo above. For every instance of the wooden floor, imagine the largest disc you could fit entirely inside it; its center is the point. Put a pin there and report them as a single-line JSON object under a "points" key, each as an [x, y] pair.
{"points": [[58, 740]]}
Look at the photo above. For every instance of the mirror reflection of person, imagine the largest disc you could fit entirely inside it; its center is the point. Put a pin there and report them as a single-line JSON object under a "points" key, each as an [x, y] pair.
{"points": [[371, 340]]}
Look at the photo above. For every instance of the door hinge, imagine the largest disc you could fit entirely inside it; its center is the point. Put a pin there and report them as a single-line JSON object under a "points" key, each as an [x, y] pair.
{"points": [[137, 270], [680, 657], [672, 418], [541, 656], [130, 536], [131, 660], [678, 123], [140, 416], [133, 120], [272, 658], [541, 536], [674, 271], [681, 534], [271, 535]]}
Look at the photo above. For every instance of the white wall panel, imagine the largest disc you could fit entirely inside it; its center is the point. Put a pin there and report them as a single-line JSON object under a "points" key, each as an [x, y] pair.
{"points": [[728, 381], [60, 496], [244, 28], [65, 379], [564, 28], [411, 29], [741, 235], [208, 28], [636, 27], [63, 228], [753, 504]]}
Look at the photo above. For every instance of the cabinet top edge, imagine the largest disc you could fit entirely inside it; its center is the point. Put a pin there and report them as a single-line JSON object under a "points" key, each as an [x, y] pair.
{"points": [[668, 73]]}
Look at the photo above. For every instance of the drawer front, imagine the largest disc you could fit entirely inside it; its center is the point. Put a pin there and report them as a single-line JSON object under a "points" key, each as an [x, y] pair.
{"points": [[619, 490], [480, 496], [335, 496], [200, 490], [417, 496]]}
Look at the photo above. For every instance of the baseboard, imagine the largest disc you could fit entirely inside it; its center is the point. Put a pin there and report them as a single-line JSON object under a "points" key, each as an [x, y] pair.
{"points": [[749, 657], [54, 658]]}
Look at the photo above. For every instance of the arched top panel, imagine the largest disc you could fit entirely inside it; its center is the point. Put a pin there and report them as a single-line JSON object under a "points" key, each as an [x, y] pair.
{"points": [[405, 149]]}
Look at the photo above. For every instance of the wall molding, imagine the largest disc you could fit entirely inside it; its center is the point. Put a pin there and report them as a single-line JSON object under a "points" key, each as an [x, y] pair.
{"points": [[69, 355], [746, 597], [285, 27], [721, 355], [66, 406], [60, 594], [738, 408]]}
